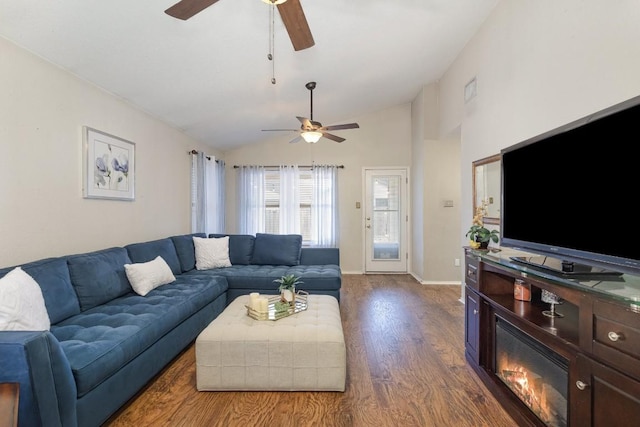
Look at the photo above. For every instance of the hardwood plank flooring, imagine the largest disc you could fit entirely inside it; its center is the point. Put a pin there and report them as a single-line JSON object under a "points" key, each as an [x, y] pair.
{"points": [[405, 367]]}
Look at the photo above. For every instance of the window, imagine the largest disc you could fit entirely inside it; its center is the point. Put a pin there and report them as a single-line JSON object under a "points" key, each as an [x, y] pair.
{"points": [[296, 201], [273, 209]]}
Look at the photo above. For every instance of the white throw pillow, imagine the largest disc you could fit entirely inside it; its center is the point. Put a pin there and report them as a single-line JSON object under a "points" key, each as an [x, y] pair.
{"points": [[211, 253], [21, 303], [146, 276]]}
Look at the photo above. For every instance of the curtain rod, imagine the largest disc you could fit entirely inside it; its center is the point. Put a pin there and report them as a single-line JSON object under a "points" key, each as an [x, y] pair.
{"points": [[196, 152], [277, 166]]}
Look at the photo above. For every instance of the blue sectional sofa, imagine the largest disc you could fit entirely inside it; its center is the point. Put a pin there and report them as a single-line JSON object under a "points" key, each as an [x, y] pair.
{"points": [[106, 341]]}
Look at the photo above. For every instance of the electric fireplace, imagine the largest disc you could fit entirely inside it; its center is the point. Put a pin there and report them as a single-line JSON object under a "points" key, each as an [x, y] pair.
{"points": [[534, 373]]}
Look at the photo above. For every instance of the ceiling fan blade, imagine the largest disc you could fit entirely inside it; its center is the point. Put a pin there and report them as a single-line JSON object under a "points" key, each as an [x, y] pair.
{"points": [[296, 139], [280, 130], [341, 127], [185, 9], [296, 24], [333, 137]]}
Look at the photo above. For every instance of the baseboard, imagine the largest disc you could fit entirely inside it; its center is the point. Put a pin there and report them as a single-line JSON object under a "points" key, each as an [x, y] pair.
{"points": [[434, 282], [439, 282], [418, 278]]}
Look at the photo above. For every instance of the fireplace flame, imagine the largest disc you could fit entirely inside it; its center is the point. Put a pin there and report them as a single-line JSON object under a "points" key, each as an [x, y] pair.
{"points": [[547, 403]]}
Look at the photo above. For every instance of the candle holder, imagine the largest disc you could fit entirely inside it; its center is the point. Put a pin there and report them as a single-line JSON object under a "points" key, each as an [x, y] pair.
{"points": [[553, 300]]}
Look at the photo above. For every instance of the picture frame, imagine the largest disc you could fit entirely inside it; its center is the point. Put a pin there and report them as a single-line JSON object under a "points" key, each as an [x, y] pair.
{"points": [[108, 166]]}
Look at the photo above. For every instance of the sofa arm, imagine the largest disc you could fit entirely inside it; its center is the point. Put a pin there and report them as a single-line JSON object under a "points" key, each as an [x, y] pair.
{"points": [[320, 256], [36, 361]]}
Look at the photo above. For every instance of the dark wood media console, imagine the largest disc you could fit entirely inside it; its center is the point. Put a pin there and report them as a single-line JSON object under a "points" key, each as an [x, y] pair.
{"points": [[582, 369]]}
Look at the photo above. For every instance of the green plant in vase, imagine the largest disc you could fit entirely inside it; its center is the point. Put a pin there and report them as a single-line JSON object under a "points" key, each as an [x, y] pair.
{"points": [[287, 288], [480, 236]]}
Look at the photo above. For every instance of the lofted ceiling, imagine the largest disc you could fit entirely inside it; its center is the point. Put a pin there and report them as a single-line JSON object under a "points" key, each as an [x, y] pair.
{"points": [[210, 77]]}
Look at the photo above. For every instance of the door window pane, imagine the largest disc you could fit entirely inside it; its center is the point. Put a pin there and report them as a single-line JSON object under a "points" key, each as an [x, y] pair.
{"points": [[386, 217]]}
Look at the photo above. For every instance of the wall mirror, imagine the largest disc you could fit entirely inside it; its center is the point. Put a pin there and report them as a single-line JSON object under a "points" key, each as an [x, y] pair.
{"points": [[486, 187]]}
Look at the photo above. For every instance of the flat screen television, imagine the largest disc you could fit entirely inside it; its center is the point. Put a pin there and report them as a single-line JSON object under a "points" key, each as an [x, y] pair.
{"points": [[570, 194]]}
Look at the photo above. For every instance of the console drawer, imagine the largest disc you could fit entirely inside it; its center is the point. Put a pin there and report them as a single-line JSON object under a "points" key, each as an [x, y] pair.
{"points": [[616, 335], [472, 275]]}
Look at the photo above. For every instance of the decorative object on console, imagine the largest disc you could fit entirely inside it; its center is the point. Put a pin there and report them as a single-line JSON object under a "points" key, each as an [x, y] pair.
{"points": [[478, 235], [553, 299], [287, 288], [521, 290], [108, 166], [486, 187]]}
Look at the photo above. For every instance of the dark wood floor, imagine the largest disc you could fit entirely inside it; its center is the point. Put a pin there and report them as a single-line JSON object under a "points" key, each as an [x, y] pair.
{"points": [[405, 367]]}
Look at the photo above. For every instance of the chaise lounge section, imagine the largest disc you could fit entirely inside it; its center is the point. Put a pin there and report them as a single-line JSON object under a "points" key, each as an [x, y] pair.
{"points": [[106, 341]]}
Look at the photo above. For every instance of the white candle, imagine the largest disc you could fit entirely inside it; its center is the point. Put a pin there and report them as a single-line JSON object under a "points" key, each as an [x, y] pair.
{"points": [[264, 304], [253, 301]]}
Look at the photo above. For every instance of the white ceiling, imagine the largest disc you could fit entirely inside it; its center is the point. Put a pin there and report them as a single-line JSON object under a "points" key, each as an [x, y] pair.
{"points": [[210, 77]]}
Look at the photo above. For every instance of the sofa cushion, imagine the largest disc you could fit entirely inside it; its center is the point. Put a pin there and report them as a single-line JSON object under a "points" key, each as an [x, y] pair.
{"points": [[315, 278], [277, 249], [147, 251], [240, 247], [52, 274], [211, 253], [146, 276], [185, 250], [21, 303], [99, 277], [100, 341]]}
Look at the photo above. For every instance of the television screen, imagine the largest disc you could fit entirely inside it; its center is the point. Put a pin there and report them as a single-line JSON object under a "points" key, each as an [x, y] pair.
{"points": [[571, 192]]}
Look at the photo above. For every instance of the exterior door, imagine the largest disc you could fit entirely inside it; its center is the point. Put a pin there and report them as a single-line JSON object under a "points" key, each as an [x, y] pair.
{"points": [[385, 220]]}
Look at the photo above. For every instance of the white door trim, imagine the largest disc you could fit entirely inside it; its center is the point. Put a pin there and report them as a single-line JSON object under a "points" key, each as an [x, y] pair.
{"points": [[404, 267]]}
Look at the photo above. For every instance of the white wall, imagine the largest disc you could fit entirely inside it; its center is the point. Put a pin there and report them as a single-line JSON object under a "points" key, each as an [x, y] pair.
{"points": [[42, 212], [539, 65], [384, 139], [436, 178]]}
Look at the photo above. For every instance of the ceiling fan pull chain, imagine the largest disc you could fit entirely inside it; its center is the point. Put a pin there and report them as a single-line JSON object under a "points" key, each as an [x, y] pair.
{"points": [[271, 54]]}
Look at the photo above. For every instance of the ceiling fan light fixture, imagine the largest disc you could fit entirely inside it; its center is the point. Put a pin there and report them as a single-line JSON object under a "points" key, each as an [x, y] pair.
{"points": [[276, 2], [311, 137]]}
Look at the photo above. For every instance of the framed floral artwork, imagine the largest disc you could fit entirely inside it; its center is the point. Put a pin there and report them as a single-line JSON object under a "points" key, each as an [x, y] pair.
{"points": [[108, 166]]}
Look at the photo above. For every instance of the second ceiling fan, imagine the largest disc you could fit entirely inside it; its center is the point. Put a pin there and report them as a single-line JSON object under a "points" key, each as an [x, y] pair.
{"points": [[310, 130], [291, 12]]}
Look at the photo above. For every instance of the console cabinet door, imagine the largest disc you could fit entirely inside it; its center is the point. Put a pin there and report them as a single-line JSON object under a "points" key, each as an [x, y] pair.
{"points": [[472, 325], [602, 396]]}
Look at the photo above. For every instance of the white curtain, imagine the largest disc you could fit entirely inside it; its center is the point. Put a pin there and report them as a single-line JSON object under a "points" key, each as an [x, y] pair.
{"points": [[289, 200], [219, 208], [207, 194], [324, 208], [251, 205]]}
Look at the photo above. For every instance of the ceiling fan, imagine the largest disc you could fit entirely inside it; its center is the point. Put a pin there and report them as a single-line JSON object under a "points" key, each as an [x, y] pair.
{"points": [[310, 130], [291, 13]]}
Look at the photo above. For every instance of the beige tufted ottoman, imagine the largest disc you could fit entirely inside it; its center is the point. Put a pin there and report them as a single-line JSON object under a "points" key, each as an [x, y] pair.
{"points": [[305, 351]]}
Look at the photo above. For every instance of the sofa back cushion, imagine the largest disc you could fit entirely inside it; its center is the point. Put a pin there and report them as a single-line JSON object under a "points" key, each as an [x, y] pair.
{"points": [[52, 274], [186, 250], [240, 247], [277, 249], [99, 277], [148, 251]]}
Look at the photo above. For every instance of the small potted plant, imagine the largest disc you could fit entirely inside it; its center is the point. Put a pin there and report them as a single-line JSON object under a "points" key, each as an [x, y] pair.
{"points": [[287, 288], [480, 236]]}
